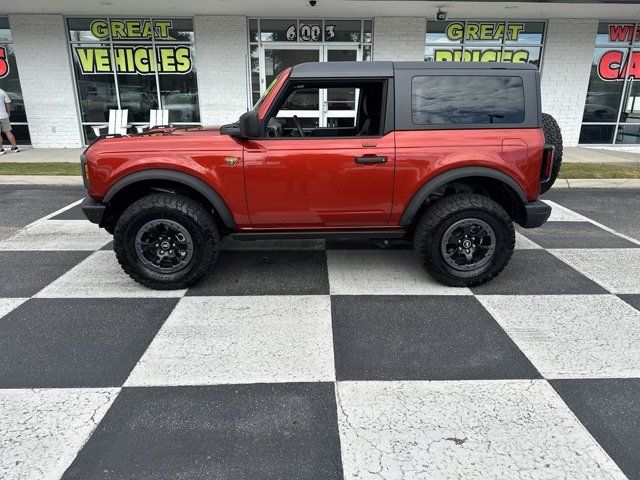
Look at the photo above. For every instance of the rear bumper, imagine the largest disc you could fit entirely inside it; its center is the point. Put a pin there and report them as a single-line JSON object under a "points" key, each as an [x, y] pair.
{"points": [[536, 213], [94, 211]]}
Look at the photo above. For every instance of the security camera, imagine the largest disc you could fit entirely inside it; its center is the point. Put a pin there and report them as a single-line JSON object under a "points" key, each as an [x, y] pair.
{"points": [[313, 3], [441, 16]]}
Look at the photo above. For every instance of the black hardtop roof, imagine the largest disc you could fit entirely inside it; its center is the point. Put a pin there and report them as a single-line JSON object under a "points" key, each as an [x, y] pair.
{"points": [[386, 69]]}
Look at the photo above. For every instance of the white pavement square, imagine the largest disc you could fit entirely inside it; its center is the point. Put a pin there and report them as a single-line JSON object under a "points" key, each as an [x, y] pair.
{"points": [[8, 304], [464, 429], [382, 272], [523, 243], [41, 431], [58, 235], [241, 339], [563, 214], [572, 336], [616, 269], [100, 276]]}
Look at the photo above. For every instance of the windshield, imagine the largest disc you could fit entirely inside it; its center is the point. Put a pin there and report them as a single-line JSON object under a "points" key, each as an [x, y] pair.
{"points": [[265, 93]]}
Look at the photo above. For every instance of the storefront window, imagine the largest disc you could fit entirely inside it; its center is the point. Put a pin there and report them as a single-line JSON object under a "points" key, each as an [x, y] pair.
{"points": [[137, 64], [275, 44], [484, 41], [612, 108], [10, 83]]}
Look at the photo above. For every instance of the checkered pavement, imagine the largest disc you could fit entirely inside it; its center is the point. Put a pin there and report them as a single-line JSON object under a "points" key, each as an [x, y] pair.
{"points": [[314, 360]]}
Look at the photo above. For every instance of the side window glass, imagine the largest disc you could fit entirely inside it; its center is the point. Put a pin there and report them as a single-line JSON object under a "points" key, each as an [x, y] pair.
{"points": [[331, 110], [472, 100]]}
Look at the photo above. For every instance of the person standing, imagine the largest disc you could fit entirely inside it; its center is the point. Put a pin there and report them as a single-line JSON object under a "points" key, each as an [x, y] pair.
{"points": [[5, 124]]}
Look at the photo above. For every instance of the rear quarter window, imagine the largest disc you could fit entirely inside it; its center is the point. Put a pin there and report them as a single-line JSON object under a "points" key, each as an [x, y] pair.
{"points": [[467, 100]]}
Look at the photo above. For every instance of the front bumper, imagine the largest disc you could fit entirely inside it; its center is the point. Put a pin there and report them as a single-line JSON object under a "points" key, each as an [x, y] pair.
{"points": [[94, 211], [536, 213]]}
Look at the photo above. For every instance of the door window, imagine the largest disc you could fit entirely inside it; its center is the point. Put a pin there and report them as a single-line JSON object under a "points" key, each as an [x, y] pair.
{"points": [[363, 99]]}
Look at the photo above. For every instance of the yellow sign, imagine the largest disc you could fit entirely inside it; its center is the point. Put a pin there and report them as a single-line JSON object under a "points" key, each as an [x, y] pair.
{"points": [[130, 29], [141, 60], [483, 31], [481, 55]]}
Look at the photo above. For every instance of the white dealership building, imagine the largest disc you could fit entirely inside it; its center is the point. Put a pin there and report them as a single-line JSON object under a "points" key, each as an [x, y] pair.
{"points": [[66, 64]]}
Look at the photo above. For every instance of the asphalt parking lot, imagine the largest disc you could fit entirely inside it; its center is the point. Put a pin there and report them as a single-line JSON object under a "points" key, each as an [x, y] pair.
{"points": [[317, 360]]}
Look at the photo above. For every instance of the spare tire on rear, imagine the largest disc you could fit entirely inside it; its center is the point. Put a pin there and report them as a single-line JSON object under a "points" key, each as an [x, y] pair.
{"points": [[553, 136]]}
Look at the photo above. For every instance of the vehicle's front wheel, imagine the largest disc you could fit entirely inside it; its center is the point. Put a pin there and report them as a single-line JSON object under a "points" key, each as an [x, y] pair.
{"points": [[165, 241], [464, 240]]}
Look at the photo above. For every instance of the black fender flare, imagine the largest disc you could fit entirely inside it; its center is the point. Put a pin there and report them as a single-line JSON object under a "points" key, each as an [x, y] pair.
{"points": [[178, 177], [435, 183]]}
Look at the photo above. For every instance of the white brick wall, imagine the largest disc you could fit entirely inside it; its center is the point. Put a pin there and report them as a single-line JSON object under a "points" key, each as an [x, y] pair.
{"points": [[566, 66], [46, 80], [221, 56], [399, 38]]}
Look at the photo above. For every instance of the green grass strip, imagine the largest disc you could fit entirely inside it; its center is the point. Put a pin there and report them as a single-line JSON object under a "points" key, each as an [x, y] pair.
{"points": [[39, 168]]}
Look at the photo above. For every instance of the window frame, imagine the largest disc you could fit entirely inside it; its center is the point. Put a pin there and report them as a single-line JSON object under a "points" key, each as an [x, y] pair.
{"points": [[111, 44], [503, 45], [6, 43], [628, 48]]}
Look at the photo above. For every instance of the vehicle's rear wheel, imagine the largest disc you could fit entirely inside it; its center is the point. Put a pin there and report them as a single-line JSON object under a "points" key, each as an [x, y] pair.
{"points": [[553, 136], [464, 240], [166, 241]]}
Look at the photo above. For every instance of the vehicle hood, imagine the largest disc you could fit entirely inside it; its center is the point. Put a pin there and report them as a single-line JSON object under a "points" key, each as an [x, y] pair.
{"points": [[165, 139]]}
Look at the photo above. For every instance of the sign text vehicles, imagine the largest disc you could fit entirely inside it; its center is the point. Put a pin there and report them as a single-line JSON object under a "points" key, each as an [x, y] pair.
{"points": [[142, 60]]}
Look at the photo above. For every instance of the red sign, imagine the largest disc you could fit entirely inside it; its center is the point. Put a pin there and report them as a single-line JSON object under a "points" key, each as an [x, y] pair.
{"points": [[4, 62], [618, 64]]}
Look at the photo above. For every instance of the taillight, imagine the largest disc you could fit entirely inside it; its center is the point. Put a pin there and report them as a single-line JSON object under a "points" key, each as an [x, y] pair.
{"points": [[547, 163]]}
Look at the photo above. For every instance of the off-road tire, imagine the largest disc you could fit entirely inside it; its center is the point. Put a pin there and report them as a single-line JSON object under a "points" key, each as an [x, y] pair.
{"points": [[439, 216], [553, 136], [177, 208]]}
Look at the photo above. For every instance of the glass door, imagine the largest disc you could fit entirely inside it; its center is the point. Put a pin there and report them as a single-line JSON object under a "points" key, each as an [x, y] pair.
{"points": [[339, 105], [332, 107], [305, 104]]}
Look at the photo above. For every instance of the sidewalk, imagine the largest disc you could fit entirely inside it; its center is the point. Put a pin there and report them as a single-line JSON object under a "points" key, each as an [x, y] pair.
{"points": [[571, 154], [37, 155]]}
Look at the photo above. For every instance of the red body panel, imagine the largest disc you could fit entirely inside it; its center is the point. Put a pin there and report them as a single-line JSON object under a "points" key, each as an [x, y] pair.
{"points": [[199, 153], [314, 183], [422, 155], [302, 183]]}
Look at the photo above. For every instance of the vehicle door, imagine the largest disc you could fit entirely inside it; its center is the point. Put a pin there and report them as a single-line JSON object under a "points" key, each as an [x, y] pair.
{"points": [[304, 175]]}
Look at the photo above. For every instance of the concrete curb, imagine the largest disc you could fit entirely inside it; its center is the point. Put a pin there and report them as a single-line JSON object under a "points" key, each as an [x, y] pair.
{"points": [[40, 180], [610, 183]]}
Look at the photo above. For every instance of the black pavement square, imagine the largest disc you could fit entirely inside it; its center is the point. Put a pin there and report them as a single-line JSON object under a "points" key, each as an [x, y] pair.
{"points": [[422, 338], [537, 272], [633, 300], [73, 213], [77, 342], [26, 273], [266, 272], [257, 431], [610, 410], [575, 235]]}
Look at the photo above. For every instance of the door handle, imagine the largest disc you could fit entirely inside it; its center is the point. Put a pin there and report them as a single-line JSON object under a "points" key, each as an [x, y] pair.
{"points": [[370, 160]]}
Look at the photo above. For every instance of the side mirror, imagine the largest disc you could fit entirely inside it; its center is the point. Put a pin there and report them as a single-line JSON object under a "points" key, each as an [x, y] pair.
{"points": [[247, 127]]}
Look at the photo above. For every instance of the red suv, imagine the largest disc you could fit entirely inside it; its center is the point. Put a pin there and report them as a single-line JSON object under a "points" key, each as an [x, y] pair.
{"points": [[449, 155]]}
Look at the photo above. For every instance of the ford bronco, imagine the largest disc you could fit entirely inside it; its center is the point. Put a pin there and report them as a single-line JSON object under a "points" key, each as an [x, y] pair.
{"points": [[448, 155]]}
